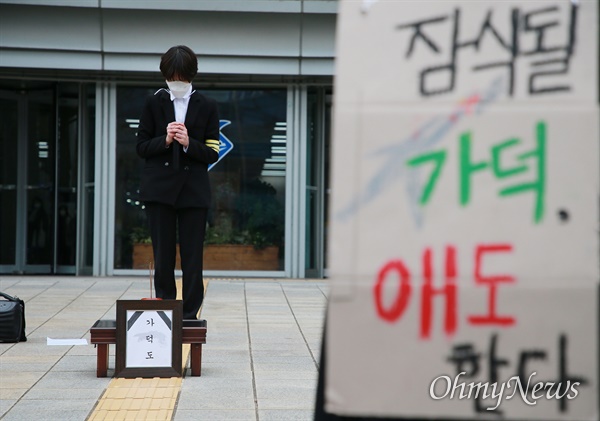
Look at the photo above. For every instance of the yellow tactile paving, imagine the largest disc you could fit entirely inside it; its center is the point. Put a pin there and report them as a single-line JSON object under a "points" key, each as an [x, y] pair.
{"points": [[141, 399], [132, 399]]}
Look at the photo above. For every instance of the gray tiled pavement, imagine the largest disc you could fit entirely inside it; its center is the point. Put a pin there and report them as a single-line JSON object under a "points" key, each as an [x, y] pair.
{"points": [[260, 361]]}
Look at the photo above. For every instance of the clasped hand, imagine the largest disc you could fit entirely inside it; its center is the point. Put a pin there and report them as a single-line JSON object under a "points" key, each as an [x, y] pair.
{"points": [[177, 132]]}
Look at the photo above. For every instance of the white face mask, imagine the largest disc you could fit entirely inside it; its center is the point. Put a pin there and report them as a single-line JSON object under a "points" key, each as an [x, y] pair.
{"points": [[178, 88]]}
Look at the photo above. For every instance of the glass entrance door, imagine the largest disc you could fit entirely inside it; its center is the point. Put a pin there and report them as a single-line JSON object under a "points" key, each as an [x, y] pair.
{"points": [[46, 177], [65, 244], [317, 182], [9, 106], [74, 193], [37, 141], [27, 164], [37, 233]]}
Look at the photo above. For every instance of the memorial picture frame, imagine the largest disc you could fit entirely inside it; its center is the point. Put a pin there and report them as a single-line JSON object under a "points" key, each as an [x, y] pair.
{"points": [[149, 336]]}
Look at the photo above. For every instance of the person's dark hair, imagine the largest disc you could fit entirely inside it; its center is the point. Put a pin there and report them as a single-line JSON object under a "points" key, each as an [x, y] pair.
{"points": [[179, 63]]}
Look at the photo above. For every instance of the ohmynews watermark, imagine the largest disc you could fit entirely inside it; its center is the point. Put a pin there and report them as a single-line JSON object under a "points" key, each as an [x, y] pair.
{"points": [[530, 393]]}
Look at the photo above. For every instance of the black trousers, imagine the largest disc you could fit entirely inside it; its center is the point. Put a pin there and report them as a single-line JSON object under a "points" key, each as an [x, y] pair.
{"points": [[165, 221]]}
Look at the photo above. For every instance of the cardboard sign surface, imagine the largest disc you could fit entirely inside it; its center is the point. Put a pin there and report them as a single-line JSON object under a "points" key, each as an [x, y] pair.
{"points": [[464, 222]]}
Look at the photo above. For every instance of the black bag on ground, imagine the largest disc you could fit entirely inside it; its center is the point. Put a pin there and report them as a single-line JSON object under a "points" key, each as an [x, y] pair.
{"points": [[12, 319]]}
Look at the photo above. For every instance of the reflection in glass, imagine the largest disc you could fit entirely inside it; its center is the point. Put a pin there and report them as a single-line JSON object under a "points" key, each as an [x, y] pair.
{"points": [[317, 180], [88, 155], [40, 179], [130, 218], [39, 162], [8, 181], [66, 221]]}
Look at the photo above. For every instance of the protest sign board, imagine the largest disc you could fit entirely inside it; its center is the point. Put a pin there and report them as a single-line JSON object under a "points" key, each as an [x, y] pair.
{"points": [[465, 214]]}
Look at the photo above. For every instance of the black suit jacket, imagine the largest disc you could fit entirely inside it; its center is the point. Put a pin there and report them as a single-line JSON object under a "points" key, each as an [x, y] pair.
{"points": [[179, 181]]}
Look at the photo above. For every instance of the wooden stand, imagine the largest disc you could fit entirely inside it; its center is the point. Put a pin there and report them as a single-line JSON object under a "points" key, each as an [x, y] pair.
{"points": [[104, 333]]}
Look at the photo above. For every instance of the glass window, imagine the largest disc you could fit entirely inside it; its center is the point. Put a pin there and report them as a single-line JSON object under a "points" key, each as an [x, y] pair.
{"points": [[247, 217], [67, 171], [40, 178], [88, 156], [8, 179]]}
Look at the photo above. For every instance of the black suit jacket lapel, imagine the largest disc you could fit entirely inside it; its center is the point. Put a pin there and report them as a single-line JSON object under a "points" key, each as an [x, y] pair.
{"points": [[192, 110], [169, 112], [168, 108]]}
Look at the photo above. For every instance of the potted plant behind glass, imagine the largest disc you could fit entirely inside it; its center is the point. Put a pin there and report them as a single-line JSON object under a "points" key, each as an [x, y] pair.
{"points": [[142, 249], [250, 238]]}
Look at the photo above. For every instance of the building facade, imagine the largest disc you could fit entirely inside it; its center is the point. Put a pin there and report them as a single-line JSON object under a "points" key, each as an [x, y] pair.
{"points": [[74, 76]]}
